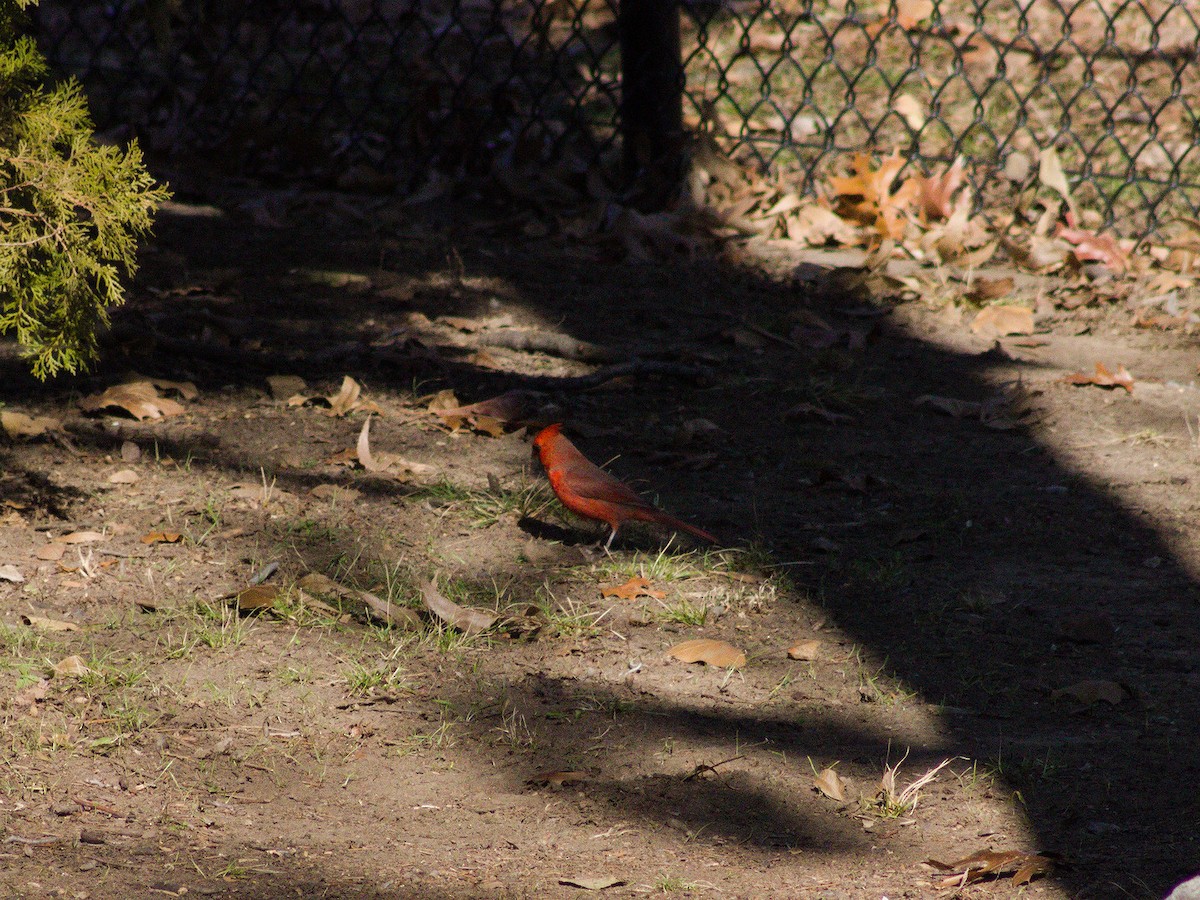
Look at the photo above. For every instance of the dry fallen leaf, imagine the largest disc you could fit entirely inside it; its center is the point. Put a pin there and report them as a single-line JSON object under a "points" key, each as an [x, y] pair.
{"points": [[491, 415], [72, 665], [125, 476], [346, 399], [161, 537], [867, 195], [11, 573], [139, 398], [364, 449], [257, 597], [936, 191], [51, 552], [559, 779], [999, 321], [19, 425], [48, 624], [631, 590], [80, 537], [283, 387], [1092, 247], [994, 862], [1093, 691], [829, 783], [590, 883], [468, 621], [805, 650], [721, 654], [382, 462], [1103, 378], [985, 290]]}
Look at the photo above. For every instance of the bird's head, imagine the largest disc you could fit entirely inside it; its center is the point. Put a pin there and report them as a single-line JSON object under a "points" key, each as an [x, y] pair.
{"points": [[544, 438]]}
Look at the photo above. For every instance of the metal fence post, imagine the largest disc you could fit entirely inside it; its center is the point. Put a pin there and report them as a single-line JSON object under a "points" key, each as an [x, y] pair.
{"points": [[651, 99]]}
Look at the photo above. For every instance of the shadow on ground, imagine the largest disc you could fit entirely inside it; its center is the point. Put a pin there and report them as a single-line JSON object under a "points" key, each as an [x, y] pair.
{"points": [[950, 553]]}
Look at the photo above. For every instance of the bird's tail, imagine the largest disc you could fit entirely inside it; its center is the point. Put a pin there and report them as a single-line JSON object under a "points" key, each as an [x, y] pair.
{"points": [[679, 525]]}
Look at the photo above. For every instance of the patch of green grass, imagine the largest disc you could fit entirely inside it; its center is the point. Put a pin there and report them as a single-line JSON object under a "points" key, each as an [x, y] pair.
{"points": [[484, 508], [366, 679], [202, 624], [660, 567], [568, 619], [682, 612], [668, 884]]}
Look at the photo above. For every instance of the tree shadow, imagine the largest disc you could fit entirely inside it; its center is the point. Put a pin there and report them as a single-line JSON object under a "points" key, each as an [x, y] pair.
{"points": [[956, 554]]}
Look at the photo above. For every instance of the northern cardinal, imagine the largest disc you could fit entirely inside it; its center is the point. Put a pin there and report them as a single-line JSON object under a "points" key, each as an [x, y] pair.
{"points": [[588, 490]]}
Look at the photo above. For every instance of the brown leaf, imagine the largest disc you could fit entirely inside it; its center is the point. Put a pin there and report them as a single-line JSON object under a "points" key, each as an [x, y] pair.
{"points": [[51, 552], [138, 398], [468, 621], [125, 476], [346, 399], [185, 389], [590, 883], [985, 290], [9, 572], [443, 399], [998, 321], [559, 779], [631, 590], [19, 425], [509, 408], [161, 537], [829, 783], [1092, 247], [80, 537], [45, 624], [867, 195], [994, 862], [1093, 691], [283, 387], [910, 13], [71, 666], [257, 597], [805, 650], [363, 449], [721, 654], [936, 191], [1103, 378]]}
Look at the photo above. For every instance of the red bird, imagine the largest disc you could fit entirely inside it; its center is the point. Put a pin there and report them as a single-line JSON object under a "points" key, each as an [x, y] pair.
{"points": [[588, 490]]}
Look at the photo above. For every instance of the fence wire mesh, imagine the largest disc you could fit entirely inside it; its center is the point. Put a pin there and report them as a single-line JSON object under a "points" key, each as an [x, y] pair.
{"points": [[320, 87]]}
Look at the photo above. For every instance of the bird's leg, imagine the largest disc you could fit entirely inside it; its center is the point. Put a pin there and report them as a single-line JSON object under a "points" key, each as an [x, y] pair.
{"points": [[608, 543]]}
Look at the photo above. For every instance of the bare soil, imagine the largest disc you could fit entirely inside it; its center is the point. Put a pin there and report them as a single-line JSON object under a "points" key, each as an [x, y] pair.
{"points": [[951, 579]]}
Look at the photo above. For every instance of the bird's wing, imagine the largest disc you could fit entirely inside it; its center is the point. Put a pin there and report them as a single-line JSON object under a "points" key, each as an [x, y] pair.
{"points": [[593, 483]]}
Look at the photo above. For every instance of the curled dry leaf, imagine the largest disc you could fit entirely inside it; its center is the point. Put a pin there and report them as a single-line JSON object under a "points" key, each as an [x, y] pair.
{"points": [[386, 462], [139, 398], [125, 476], [721, 654], [805, 650], [185, 389], [51, 552], [631, 590], [18, 425], [1025, 866], [867, 196], [1103, 378], [468, 621], [284, 387], [1093, 691], [44, 624], [161, 537], [999, 321], [11, 573], [346, 399], [829, 783]]}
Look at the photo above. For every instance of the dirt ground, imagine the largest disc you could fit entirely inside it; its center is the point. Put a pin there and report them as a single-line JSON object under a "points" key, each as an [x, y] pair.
{"points": [[1021, 601]]}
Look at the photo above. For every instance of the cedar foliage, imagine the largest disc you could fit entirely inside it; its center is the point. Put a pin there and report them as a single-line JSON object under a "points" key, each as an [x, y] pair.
{"points": [[71, 210]]}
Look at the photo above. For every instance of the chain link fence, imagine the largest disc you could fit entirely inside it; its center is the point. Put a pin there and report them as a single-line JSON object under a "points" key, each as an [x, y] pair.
{"points": [[325, 88]]}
